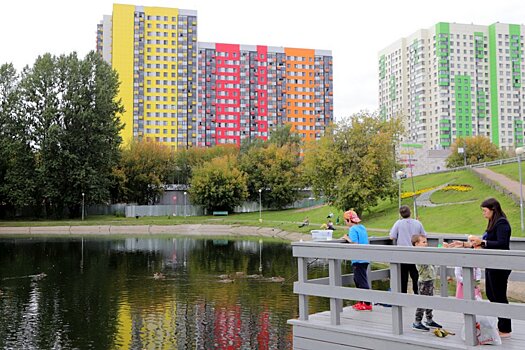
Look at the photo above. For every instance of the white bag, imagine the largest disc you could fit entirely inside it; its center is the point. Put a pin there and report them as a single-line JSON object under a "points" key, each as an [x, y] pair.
{"points": [[486, 331]]}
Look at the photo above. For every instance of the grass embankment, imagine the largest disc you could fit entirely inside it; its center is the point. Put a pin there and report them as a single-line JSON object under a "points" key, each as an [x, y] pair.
{"points": [[464, 218]]}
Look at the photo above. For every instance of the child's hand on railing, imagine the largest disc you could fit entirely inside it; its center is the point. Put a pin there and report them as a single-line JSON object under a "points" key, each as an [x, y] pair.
{"points": [[456, 244]]}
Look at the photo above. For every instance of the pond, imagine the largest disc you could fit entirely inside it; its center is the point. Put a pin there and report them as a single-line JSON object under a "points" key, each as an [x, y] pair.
{"points": [[147, 293]]}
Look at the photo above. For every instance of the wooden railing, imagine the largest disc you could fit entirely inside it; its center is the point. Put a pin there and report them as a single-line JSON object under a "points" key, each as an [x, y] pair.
{"points": [[335, 286]]}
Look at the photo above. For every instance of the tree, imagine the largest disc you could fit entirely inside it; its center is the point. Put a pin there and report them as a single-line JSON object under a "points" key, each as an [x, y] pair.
{"points": [[218, 184], [352, 164], [73, 112], [142, 172], [187, 159], [478, 149], [17, 164], [283, 135], [275, 170]]}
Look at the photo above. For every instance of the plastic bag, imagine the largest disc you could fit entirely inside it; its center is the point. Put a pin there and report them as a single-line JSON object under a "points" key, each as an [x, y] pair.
{"points": [[486, 331]]}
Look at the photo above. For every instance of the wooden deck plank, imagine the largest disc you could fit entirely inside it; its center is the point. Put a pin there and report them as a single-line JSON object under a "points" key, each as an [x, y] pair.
{"points": [[372, 330]]}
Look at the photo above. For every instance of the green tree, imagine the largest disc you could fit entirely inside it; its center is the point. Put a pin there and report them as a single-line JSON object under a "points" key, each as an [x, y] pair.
{"points": [[218, 184], [478, 149], [283, 135], [17, 166], [73, 112], [187, 159], [352, 164], [142, 172], [275, 170]]}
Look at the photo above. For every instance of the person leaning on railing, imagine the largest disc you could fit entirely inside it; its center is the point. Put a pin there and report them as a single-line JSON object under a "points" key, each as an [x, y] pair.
{"points": [[403, 231], [497, 236], [357, 234]]}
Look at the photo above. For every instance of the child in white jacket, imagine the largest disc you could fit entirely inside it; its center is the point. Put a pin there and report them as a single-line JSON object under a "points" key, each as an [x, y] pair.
{"points": [[458, 271]]}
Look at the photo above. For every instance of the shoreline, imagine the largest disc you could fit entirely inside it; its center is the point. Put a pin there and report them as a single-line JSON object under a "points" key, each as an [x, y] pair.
{"points": [[516, 289], [185, 229]]}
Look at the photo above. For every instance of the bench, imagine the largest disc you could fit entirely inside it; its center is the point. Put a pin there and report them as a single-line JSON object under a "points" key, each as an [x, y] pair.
{"points": [[220, 213]]}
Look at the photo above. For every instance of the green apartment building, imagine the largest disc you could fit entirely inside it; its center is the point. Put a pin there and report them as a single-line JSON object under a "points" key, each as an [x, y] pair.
{"points": [[455, 80]]}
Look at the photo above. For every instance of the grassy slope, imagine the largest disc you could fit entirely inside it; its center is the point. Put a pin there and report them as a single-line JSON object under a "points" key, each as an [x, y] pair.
{"points": [[459, 218]]}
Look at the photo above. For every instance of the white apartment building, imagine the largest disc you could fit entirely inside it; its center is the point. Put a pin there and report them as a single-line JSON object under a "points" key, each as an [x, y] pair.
{"points": [[455, 80]]}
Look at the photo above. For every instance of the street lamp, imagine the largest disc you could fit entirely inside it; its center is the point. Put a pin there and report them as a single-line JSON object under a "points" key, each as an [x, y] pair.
{"points": [[185, 203], [519, 152], [260, 205], [82, 206], [413, 185], [399, 176]]}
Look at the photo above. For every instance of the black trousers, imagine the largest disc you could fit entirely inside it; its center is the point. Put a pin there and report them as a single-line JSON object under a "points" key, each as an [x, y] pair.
{"points": [[496, 285], [360, 276], [407, 269]]}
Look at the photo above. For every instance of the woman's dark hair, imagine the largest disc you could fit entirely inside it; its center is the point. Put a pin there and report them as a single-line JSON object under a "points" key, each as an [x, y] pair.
{"points": [[497, 212]]}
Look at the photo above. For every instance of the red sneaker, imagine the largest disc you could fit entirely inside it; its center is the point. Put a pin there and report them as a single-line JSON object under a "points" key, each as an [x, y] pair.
{"points": [[357, 306], [363, 307], [366, 307]]}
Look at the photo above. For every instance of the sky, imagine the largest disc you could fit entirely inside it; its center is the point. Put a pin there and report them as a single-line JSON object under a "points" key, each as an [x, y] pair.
{"points": [[355, 31]]}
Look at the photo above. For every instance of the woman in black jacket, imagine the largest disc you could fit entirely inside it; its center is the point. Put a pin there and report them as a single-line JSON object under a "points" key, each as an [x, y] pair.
{"points": [[497, 236]]}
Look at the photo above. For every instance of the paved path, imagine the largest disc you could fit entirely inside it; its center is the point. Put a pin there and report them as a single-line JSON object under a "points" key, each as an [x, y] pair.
{"points": [[508, 184], [424, 199]]}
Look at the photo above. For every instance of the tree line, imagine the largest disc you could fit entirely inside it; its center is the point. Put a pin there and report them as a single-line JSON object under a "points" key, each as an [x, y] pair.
{"points": [[59, 133], [60, 143]]}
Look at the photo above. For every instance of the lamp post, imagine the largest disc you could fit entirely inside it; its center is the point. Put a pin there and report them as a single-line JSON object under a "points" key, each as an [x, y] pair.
{"points": [[83, 206], [185, 203], [413, 185], [519, 152], [399, 176], [260, 204]]}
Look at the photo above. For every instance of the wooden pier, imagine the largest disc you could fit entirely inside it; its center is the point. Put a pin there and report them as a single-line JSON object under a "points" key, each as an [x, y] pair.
{"points": [[390, 327]]}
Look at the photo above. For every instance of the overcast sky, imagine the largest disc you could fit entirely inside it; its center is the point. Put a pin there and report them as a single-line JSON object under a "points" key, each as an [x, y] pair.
{"points": [[355, 31]]}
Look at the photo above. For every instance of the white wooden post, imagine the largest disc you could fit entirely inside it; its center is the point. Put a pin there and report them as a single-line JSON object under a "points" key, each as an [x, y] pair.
{"points": [[302, 277], [443, 282], [395, 286], [334, 274], [468, 294]]}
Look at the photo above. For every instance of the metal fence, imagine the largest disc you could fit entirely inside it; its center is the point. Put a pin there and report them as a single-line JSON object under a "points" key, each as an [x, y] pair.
{"points": [[163, 210], [182, 210], [479, 165]]}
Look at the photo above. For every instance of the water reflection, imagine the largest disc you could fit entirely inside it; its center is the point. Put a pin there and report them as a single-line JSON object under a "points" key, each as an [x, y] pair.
{"points": [[102, 294]]}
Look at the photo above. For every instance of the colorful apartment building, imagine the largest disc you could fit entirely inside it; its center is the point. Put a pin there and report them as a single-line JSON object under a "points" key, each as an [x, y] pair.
{"points": [[455, 80], [246, 91], [184, 93]]}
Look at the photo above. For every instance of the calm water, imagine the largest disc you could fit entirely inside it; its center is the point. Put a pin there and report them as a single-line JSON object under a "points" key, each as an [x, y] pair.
{"points": [[102, 294]]}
